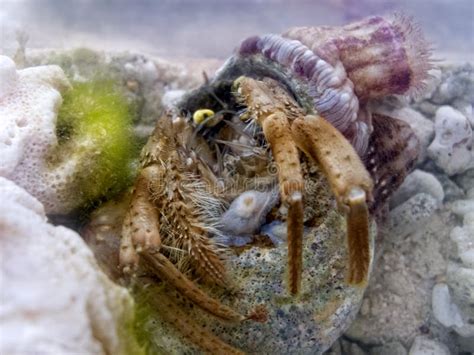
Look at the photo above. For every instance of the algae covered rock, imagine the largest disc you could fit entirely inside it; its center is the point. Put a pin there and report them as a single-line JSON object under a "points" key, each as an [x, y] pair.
{"points": [[66, 151], [310, 323], [55, 299], [94, 130]]}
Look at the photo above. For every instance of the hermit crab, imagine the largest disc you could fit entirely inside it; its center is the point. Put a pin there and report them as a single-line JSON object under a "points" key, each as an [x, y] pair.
{"points": [[246, 140]]}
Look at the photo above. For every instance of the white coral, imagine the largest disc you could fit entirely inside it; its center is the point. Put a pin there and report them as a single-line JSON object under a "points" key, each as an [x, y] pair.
{"points": [[29, 102], [55, 300]]}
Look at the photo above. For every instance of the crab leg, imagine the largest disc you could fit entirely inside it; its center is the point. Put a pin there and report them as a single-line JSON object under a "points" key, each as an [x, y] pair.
{"points": [[140, 231], [141, 228], [277, 132], [168, 272], [349, 180], [172, 313], [276, 128]]}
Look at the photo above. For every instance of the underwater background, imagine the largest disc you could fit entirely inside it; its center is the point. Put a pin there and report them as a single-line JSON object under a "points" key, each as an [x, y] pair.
{"points": [[84, 83], [211, 28]]}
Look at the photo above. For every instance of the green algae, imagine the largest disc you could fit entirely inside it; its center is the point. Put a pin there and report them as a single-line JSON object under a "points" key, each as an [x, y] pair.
{"points": [[94, 129]]}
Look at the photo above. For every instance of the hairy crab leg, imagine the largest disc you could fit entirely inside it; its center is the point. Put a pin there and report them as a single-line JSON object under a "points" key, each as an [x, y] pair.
{"points": [[168, 272], [188, 328], [349, 180], [141, 228], [140, 231]]}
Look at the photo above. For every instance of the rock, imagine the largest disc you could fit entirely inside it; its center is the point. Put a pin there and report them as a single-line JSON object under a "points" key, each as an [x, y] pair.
{"points": [[435, 77], [470, 193], [446, 312], [54, 297], [456, 83], [423, 127], [466, 180], [464, 239], [466, 109], [335, 349], [462, 207], [452, 302], [427, 108], [418, 182], [171, 98], [452, 147], [425, 346], [460, 281], [451, 190], [466, 345], [391, 348], [402, 282], [410, 215], [351, 348]]}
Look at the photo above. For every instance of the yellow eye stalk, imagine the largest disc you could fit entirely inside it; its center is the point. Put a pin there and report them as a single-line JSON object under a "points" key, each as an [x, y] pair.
{"points": [[206, 117]]}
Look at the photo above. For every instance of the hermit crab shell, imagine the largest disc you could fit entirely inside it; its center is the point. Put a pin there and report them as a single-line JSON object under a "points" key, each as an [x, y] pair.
{"points": [[337, 71]]}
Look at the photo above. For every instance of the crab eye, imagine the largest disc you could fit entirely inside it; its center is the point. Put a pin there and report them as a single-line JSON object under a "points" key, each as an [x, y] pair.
{"points": [[204, 116]]}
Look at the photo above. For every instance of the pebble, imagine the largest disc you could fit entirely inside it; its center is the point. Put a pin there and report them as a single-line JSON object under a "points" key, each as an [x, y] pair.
{"points": [[460, 281], [350, 348], [445, 311], [392, 348], [418, 181], [171, 98], [462, 207], [456, 83], [470, 193], [410, 215], [466, 109], [464, 239], [452, 191], [422, 126], [425, 346], [466, 180], [451, 149]]}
